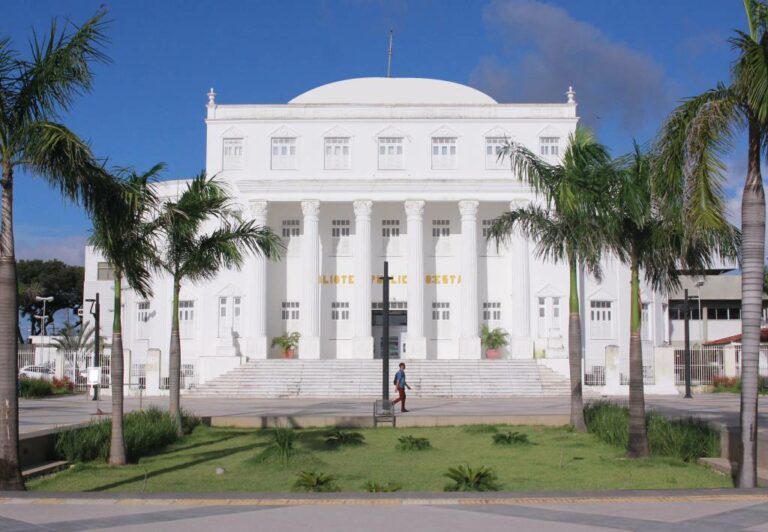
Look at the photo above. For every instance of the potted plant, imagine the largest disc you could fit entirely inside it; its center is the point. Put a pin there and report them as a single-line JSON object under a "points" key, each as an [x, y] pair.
{"points": [[493, 340], [287, 343]]}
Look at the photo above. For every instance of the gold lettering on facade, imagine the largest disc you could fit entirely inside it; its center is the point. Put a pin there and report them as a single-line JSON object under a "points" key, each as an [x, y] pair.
{"points": [[442, 279], [336, 279]]}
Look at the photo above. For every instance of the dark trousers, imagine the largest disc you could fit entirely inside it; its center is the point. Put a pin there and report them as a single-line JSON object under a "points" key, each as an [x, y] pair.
{"points": [[401, 397]]}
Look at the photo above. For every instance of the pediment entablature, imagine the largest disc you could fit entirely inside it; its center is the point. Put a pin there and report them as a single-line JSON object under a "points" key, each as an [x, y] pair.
{"points": [[392, 131], [549, 291], [498, 131], [550, 131], [230, 291], [444, 131], [284, 131], [233, 133], [337, 131], [601, 294]]}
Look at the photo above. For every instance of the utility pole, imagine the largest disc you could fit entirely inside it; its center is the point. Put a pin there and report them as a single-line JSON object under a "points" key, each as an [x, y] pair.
{"points": [[687, 336], [96, 313]]}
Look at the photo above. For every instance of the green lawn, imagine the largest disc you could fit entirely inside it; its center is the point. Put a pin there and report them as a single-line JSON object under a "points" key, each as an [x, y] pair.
{"points": [[555, 460]]}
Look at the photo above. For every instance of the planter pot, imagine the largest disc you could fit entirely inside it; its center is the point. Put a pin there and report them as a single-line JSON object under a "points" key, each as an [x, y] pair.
{"points": [[289, 353], [492, 353]]}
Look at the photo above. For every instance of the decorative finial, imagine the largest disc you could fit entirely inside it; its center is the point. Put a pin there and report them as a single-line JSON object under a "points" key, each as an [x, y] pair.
{"points": [[571, 95], [211, 98]]}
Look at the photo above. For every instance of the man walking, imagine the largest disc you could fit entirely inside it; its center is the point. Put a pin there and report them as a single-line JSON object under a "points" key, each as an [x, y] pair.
{"points": [[400, 386]]}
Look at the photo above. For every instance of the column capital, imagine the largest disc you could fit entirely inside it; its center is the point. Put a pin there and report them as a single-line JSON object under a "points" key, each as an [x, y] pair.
{"points": [[414, 208], [259, 208], [362, 208], [310, 208], [519, 203], [468, 208]]}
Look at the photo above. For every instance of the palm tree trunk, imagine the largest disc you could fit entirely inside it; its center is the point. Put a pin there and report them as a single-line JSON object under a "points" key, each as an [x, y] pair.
{"points": [[10, 470], [574, 350], [174, 355], [752, 257], [117, 444], [638, 434]]}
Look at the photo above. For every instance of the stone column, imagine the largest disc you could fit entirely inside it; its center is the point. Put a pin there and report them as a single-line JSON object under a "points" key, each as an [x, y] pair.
{"points": [[362, 344], [258, 338], [309, 309], [416, 343], [521, 345], [469, 341]]}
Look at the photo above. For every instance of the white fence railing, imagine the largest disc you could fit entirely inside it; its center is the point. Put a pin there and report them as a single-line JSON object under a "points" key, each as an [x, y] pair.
{"points": [[762, 361], [707, 362], [189, 378]]}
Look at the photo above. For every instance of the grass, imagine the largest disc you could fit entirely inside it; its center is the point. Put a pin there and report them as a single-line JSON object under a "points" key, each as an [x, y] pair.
{"points": [[733, 385], [555, 460]]}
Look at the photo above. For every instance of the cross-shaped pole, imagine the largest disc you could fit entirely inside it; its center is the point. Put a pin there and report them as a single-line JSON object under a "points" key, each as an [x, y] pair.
{"points": [[385, 332]]}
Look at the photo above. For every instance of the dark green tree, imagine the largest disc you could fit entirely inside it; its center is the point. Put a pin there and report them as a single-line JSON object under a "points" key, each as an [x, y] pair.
{"points": [[48, 278]]}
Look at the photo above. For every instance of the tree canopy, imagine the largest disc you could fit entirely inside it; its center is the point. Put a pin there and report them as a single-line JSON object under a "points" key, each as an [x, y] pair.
{"points": [[48, 278]]}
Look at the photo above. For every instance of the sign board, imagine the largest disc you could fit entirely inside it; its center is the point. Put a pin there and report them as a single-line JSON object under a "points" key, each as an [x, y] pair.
{"points": [[94, 375]]}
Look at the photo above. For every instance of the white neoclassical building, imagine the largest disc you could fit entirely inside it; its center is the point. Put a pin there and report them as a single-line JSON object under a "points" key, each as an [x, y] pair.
{"points": [[362, 171]]}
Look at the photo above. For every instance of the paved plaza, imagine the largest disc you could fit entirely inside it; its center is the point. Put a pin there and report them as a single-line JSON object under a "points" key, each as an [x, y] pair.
{"points": [[700, 511]]}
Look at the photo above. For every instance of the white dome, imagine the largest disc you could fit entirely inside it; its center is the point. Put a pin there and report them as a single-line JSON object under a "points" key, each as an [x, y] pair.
{"points": [[393, 91]]}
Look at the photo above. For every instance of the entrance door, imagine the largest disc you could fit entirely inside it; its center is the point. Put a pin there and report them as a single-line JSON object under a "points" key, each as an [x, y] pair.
{"points": [[398, 320]]}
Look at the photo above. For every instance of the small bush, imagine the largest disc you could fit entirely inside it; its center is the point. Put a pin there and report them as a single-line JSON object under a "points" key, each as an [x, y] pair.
{"points": [[34, 388], [481, 429], [686, 439], [145, 432], [733, 385], [283, 446], [63, 386], [464, 478], [339, 438], [510, 438], [315, 482], [189, 421], [377, 487], [413, 443]]}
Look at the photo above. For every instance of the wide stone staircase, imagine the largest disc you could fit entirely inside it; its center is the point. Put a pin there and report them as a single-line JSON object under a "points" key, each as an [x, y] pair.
{"points": [[362, 378]]}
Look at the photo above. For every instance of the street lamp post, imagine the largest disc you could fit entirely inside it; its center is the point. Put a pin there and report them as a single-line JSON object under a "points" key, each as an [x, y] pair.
{"points": [[44, 318], [96, 313]]}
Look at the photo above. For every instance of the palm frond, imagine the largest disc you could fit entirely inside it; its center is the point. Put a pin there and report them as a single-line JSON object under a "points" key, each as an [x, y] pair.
{"points": [[750, 72]]}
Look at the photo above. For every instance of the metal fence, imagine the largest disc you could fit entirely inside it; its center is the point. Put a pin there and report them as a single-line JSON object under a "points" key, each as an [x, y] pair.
{"points": [[649, 376], [762, 361], [594, 375], [137, 377], [189, 378], [74, 363], [706, 363]]}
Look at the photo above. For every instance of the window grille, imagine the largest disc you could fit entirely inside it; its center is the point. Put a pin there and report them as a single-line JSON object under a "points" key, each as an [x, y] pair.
{"points": [[441, 228], [441, 311], [549, 146], [390, 228], [492, 311], [391, 153], [339, 228], [444, 153], [601, 319], [291, 228], [337, 153], [290, 310], [340, 310], [493, 147], [232, 157], [284, 153]]}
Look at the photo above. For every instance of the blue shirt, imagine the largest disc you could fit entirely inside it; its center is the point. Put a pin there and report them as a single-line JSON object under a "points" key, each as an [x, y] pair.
{"points": [[400, 378]]}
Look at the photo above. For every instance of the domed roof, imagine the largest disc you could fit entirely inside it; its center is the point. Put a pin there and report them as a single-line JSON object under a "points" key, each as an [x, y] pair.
{"points": [[393, 91]]}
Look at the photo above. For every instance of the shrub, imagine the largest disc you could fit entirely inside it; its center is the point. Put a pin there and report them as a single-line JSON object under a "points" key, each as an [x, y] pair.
{"points": [[338, 438], [467, 479], [63, 386], [686, 439], [510, 438], [481, 429], [413, 443], [282, 445], [189, 421], [32, 388], [145, 432], [315, 482], [733, 384], [377, 487]]}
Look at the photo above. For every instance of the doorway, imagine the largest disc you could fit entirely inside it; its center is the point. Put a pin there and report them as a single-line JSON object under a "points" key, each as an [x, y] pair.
{"points": [[398, 325]]}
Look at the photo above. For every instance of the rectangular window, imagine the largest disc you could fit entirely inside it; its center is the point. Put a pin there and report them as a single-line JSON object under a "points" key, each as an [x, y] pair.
{"points": [[340, 310], [441, 228], [555, 325], [645, 324], [601, 319], [291, 228], [223, 313], [492, 311], [337, 153], [232, 156], [393, 305], [104, 272], [493, 147], [550, 146], [284, 153], [723, 313], [339, 228], [236, 311], [390, 228], [444, 153], [391, 153], [486, 225], [290, 310], [441, 311], [143, 313]]}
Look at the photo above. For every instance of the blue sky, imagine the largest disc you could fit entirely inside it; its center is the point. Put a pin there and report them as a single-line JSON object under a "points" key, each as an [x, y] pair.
{"points": [[630, 61]]}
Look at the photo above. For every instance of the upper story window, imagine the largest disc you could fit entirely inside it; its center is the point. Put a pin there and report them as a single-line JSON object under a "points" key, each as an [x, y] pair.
{"points": [[493, 147], [339, 228], [549, 146], [232, 156], [441, 311], [284, 155], [390, 228], [291, 228], [338, 153], [601, 319], [441, 228], [143, 314], [487, 224], [391, 153], [340, 310], [723, 312], [290, 310], [444, 153], [491, 311], [104, 272]]}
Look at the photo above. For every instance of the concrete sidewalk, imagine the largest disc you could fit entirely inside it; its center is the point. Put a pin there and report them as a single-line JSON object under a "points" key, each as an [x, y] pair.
{"points": [[45, 414], [685, 510]]}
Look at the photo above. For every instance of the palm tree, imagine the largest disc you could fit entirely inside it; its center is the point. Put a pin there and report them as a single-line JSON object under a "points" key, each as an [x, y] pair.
{"points": [[649, 236], [189, 253], [692, 142], [569, 228], [125, 238], [33, 92]]}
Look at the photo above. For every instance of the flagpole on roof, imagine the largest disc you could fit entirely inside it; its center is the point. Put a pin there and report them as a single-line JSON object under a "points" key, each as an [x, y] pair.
{"points": [[389, 55]]}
